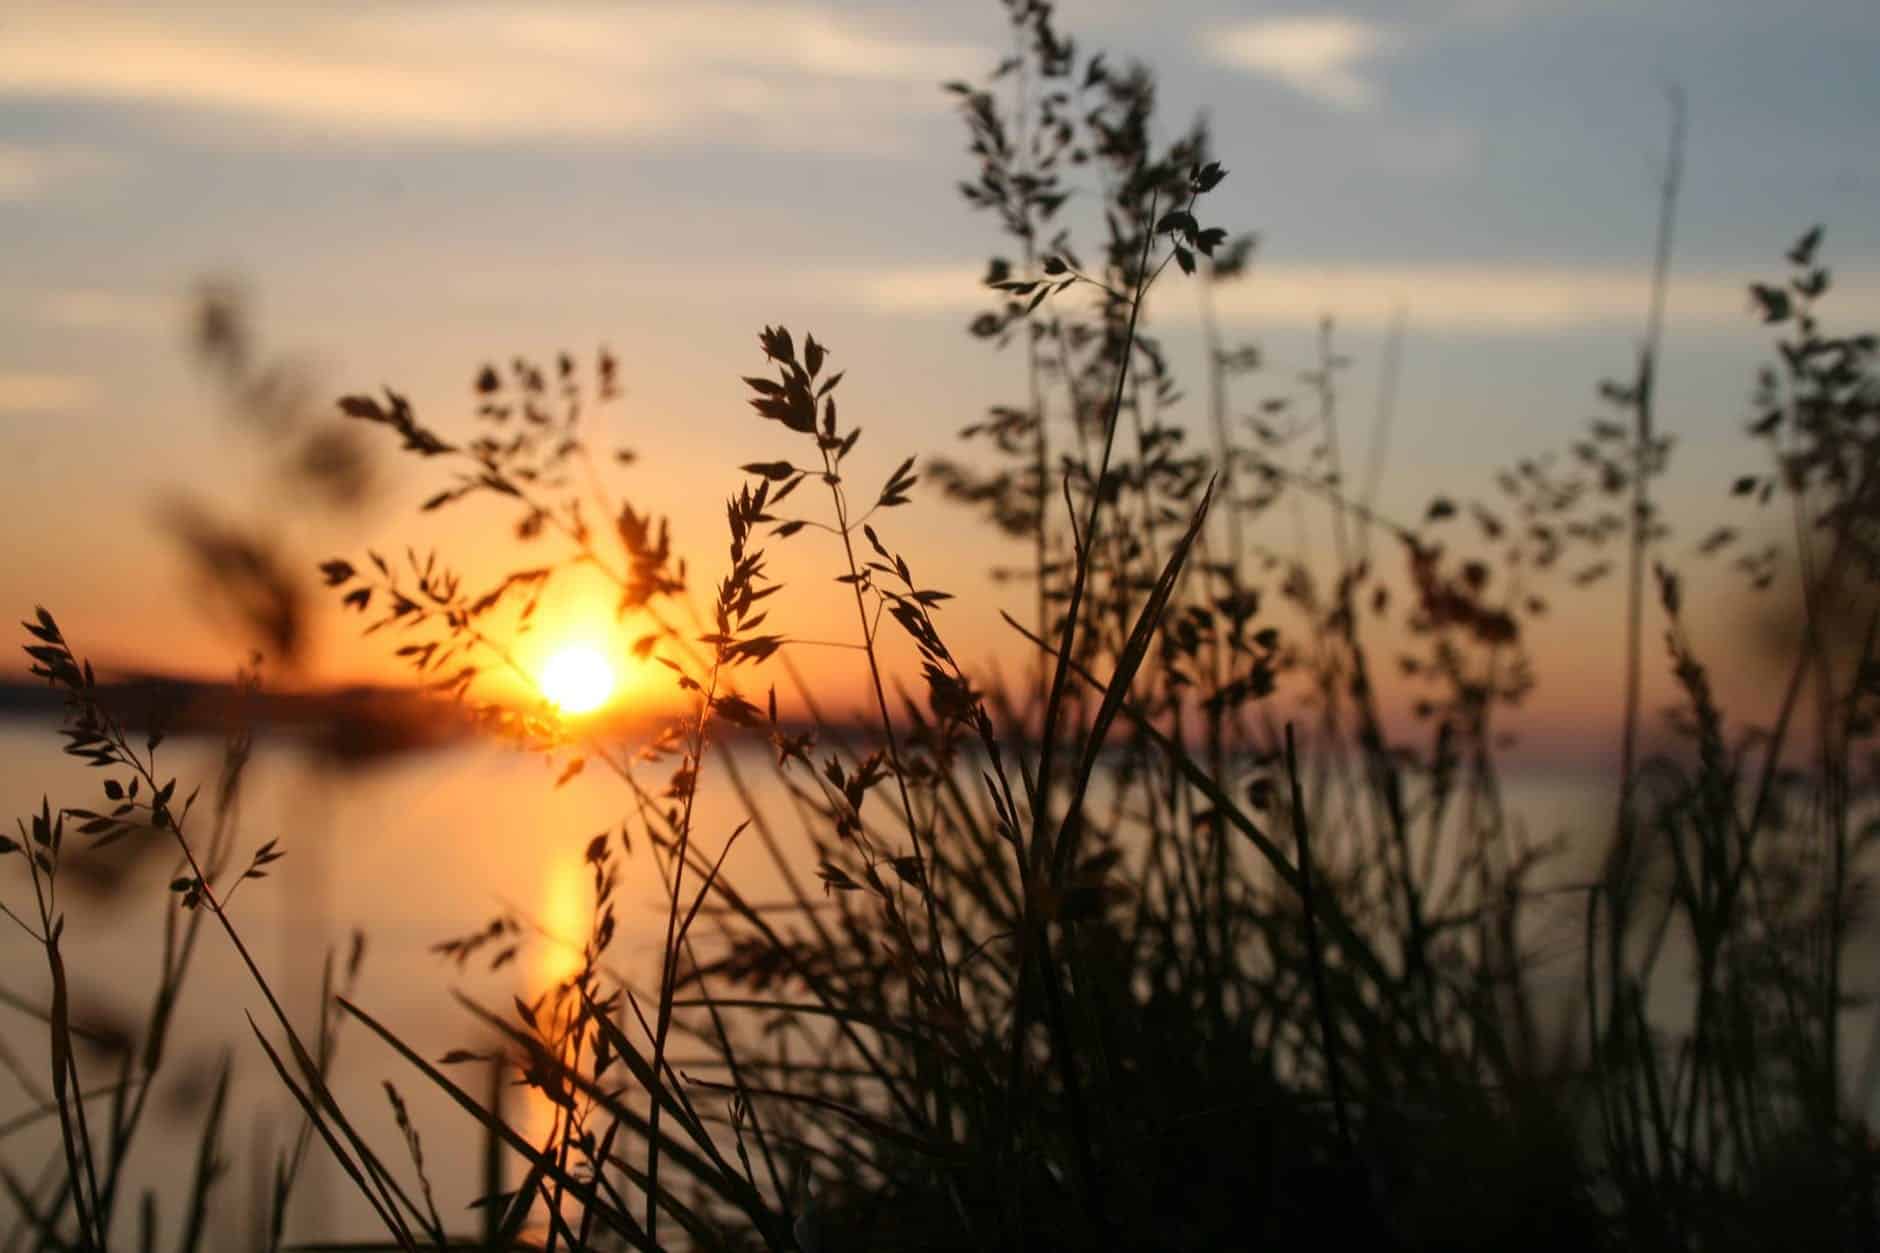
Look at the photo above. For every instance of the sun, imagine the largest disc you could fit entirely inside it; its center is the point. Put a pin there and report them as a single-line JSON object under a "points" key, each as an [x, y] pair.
{"points": [[577, 679]]}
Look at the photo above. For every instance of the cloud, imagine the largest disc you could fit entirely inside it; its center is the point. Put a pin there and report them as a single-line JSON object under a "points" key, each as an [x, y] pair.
{"points": [[100, 309], [28, 173], [790, 76], [27, 392], [1475, 299], [1319, 56]]}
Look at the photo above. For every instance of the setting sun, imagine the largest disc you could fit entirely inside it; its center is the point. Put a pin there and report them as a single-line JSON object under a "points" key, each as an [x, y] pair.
{"points": [[577, 679]]}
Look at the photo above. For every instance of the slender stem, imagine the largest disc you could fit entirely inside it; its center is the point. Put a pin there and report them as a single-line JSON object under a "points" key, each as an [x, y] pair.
{"points": [[887, 728], [669, 953], [1644, 435], [1060, 682], [1334, 1074]]}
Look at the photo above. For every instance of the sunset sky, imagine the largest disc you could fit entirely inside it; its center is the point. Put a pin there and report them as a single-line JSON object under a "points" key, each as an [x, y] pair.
{"points": [[407, 190]]}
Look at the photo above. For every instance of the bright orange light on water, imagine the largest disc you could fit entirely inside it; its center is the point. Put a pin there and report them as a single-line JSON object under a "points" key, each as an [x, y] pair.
{"points": [[577, 679], [567, 913]]}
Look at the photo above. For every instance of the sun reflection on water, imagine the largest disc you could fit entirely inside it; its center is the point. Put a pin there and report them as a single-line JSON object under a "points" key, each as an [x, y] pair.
{"points": [[565, 913]]}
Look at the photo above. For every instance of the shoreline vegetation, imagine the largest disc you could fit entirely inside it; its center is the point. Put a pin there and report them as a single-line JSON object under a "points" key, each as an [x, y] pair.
{"points": [[1169, 939], [368, 723]]}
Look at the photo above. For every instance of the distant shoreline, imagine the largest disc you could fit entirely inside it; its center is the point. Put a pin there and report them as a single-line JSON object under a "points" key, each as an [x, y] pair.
{"points": [[356, 722], [363, 723]]}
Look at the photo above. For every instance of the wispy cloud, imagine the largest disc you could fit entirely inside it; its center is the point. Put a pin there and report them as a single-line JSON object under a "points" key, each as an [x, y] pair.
{"points": [[30, 173], [1475, 299], [794, 76], [25, 392], [1322, 56], [102, 309]]}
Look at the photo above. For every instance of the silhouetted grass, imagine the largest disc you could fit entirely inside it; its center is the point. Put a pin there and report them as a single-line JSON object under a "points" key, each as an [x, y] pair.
{"points": [[1180, 940]]}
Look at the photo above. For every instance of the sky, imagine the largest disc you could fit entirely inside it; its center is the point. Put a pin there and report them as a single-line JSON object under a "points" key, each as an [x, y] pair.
{"points": [[405, 190]]}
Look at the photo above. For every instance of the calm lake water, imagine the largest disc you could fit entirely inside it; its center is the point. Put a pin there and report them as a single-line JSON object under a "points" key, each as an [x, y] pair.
{"points": [[412, 852]]}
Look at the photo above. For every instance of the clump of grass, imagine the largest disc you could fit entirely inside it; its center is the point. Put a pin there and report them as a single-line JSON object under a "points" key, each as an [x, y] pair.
{"points": [[82, 1205]]}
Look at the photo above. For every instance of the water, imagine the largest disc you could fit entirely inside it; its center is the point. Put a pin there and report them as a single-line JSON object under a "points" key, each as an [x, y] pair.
{"points": [[411, 853], [426, 847]]}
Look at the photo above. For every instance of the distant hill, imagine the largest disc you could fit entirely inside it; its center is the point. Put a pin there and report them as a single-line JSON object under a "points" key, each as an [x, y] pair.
{"points": [[359, 723], [354, 722]]}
